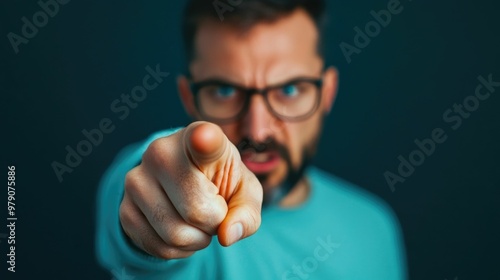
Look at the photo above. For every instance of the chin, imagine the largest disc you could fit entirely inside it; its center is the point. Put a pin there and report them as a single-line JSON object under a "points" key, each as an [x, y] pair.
{"points": [[274, 179]]}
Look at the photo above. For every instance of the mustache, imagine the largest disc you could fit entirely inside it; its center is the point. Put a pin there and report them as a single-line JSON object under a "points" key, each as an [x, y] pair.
{"points": [[270, 144]]}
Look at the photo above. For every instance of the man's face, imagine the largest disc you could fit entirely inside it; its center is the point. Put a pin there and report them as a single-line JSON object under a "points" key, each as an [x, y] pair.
{"points": [[267, 54]]}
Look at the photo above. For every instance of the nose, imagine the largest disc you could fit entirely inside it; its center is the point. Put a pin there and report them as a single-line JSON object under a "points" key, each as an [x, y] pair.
{"points": [[259, 123]]}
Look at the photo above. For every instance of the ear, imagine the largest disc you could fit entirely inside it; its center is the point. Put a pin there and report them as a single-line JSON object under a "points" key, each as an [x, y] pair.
{"points": [[186, 96], [329, 89]]}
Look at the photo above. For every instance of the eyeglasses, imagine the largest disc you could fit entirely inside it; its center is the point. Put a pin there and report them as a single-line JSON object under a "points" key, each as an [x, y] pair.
{"points": [[223, 102]]}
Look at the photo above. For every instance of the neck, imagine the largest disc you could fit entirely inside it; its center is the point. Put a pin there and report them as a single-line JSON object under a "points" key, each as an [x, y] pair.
{"points": [[297, 195]]}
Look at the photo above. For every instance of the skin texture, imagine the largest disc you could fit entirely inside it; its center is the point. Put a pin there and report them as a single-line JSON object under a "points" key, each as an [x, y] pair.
{"points": [[193, 184]]}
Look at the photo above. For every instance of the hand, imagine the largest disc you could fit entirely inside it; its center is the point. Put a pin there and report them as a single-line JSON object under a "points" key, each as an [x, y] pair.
{"points": [[190, 185]]}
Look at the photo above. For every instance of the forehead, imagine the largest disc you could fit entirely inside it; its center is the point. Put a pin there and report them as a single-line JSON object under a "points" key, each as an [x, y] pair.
{"points": [[265, 52]]}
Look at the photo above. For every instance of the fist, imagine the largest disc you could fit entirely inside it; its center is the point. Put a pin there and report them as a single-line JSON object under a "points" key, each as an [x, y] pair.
{"points": [[190, 185]]}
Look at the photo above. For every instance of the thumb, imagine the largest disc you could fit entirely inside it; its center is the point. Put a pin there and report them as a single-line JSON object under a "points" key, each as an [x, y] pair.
{"points": [[244, 211]]}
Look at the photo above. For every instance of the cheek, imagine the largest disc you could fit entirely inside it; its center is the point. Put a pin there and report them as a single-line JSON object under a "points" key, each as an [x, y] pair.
{"points": [[300, 136], [296, 143]]}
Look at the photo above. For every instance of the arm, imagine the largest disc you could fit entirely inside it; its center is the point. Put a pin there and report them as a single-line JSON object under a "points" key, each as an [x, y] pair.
{"points": [[173, 202], [113, 249]]}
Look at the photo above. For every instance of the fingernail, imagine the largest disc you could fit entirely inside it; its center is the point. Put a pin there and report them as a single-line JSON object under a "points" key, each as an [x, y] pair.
{"points": [[235, 233]]}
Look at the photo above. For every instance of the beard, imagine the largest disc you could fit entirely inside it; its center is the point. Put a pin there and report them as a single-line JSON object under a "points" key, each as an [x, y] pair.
{"points": [[294, 174]]}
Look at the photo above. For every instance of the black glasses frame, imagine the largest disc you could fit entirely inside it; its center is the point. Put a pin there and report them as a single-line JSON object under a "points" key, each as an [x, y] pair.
{"points": [[249, 92]]}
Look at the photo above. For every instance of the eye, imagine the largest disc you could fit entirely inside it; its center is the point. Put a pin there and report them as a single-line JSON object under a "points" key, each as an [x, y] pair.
{"points": [[225, 91], [290, 90]]}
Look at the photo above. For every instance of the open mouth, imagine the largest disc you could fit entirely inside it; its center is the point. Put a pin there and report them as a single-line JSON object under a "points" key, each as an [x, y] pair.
{"points": [[262, 162]]}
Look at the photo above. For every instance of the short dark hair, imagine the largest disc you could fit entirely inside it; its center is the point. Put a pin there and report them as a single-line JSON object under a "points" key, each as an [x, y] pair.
{"points": [[244, 14]]}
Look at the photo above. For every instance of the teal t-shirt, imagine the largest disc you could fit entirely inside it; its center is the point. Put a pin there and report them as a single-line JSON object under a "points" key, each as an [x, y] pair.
{"points": [[340, 232]]}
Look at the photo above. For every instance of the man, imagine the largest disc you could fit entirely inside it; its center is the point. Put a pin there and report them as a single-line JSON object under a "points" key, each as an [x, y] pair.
{"points": [[231, 196]]}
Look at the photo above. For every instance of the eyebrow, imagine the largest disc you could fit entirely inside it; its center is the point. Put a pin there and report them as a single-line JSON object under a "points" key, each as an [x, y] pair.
{"points": [[222, 81]]}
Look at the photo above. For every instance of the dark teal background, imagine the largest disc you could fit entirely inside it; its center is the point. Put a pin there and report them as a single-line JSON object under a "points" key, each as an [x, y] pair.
{"points": [[394, 91]]}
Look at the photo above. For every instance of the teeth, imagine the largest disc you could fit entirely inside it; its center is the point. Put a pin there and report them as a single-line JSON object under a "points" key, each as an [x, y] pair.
{"points": [[260, 157]]}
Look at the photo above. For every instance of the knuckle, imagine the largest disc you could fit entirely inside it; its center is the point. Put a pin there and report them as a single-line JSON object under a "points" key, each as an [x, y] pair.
{"points": [[136, 183], [151, 247], [165, 252], [186, 238], [154, 154], [129, 223], [182, 238], [194, 217], [126, 215], [132, 180], [148, 241], [254, 219], [154, 147], [202, 213]]}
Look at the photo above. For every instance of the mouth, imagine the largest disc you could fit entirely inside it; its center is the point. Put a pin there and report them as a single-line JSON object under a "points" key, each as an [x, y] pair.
{"points": [[260, 163]]}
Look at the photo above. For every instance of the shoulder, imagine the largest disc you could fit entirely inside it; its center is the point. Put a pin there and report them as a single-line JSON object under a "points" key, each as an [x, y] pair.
{"points": [[354, 202], [363, 223]]}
